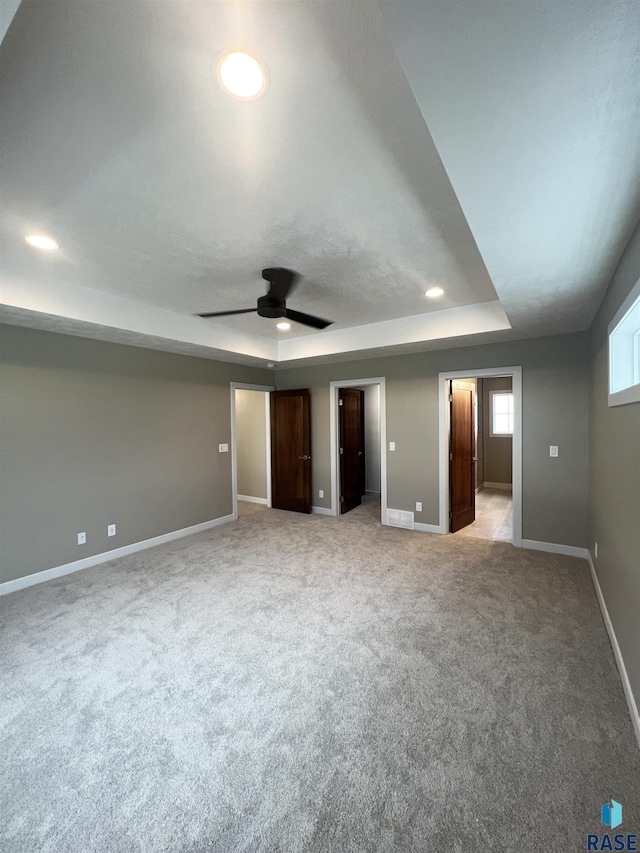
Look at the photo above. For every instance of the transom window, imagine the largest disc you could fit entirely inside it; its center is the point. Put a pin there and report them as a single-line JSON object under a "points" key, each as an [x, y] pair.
{"points": [[501, 413]]}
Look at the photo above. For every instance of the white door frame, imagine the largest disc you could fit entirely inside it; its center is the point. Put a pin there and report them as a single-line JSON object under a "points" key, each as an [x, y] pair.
{"points": [[335, 457], [244, 386], [486, 373]]}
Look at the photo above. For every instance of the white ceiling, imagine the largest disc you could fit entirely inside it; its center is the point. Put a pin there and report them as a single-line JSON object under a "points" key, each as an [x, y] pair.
{"points": [[491, 148]]}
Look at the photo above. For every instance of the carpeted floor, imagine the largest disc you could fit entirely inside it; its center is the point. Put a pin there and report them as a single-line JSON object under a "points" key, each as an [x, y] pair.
{"points": [[303, 683]]}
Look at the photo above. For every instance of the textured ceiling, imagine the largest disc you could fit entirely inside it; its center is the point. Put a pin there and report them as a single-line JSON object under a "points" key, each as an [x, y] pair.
{"points": [[492, 148]]}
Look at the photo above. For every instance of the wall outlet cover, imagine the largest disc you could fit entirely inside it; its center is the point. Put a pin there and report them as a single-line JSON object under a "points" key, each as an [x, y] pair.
{"points": [[418, 506], [320, 493]]}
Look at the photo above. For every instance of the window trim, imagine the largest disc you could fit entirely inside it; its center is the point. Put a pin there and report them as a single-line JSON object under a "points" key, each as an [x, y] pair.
{"points": [[630, 394], [493, 434]]}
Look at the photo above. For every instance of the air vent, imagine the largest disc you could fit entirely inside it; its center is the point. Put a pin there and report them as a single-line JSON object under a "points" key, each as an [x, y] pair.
{"points": [[400, 518]]}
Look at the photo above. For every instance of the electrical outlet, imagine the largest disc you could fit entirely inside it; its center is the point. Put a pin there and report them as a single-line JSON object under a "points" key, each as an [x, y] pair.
{"points": [[595, 550], [418, 506], [82, 538], [223, 448], [320, 493], [392, 445], [553, 450], [111, 530]]}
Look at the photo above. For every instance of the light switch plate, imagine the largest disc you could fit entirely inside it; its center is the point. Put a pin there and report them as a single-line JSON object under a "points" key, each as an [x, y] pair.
{"points": [[553, 450], [111, 530], [392, 445], [223, 448], [320, 493], [82, 538]]}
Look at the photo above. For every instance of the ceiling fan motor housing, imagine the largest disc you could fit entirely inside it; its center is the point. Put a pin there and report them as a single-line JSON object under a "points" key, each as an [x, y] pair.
{"points": [[269, 306]]}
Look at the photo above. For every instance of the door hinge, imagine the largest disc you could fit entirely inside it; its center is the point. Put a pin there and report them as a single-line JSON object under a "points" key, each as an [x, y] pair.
{"points": [[451, 457], [341, 451], [450, 514], [341, 402], [451, 398], [341, 499]]}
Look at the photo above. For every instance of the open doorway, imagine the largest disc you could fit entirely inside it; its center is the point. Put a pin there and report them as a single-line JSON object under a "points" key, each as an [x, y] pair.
{"points": [[250, 447], [481, 454], [358, 439]]}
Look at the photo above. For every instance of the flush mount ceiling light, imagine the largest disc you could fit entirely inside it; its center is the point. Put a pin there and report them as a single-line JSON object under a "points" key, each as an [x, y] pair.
{"points": [[284, 327], [242, 76], [434, 292], [39, 241]]}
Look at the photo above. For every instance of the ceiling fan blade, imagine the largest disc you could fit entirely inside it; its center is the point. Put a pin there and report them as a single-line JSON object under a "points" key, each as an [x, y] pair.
{"points": [[282, 281], [307, 319], [228, 313]]}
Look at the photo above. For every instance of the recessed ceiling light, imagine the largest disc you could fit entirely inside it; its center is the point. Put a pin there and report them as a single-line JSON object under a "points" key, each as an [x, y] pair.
{"points": [[242, 76], [434, 292], [41, 242], [284, 327]]}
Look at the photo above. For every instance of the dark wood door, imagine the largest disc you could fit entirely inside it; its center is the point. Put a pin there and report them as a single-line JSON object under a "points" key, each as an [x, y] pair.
{"points": [[291, 450], [462, 469], [351, 437]]}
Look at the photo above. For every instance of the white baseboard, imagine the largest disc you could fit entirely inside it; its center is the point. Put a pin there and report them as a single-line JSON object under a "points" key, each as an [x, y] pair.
{"points": [[427, 528], [250, 499], [585, 554], [553, 548], [321, 510], [626, 685], [106, 556], [506, 487]]}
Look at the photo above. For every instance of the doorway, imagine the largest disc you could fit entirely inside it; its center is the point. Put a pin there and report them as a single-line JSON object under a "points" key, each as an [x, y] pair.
{"points": [[358, 429], [481, 454], [250, 446]]}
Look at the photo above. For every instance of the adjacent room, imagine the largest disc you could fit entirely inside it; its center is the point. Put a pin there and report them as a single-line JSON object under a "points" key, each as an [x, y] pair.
{"points": [[319, 426]]}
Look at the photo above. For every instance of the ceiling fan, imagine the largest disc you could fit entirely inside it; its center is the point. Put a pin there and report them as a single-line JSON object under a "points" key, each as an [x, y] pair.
{"points": [[274, 304]]}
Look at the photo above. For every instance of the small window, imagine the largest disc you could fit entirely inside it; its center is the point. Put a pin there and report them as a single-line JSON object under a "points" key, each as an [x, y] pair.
{"points": [[501, 413], [624, 351]]}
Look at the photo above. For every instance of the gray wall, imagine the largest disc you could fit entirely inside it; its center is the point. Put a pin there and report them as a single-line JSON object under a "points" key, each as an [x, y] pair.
{"points": [[372, 437], [556, 411], [480, 434], [93, 433], [498, 450], [251, 443], [615, 480]]}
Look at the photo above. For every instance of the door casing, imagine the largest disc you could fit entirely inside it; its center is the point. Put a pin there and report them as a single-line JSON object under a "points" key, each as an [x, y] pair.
{"points": [[481, 373]]}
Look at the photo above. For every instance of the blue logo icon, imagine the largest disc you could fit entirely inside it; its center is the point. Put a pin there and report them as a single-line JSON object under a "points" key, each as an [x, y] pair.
{"points": [[612, 814]]}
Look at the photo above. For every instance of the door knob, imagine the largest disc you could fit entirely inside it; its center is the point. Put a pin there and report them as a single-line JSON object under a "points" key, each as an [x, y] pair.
{"points": [[305, 458]]}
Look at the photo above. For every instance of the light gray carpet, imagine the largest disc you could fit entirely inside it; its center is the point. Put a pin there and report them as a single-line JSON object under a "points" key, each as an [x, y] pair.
{"points": [[295, 683]]}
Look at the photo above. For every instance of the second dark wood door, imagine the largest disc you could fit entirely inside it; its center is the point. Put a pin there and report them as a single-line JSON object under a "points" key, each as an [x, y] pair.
{"points": [[462, 468], [291, 450], [351, 423]]}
